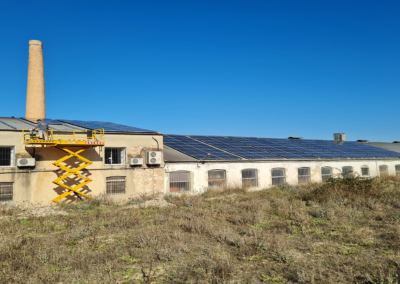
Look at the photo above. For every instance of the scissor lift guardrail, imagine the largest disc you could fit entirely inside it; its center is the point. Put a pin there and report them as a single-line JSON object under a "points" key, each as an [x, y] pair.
{"points": [[84, 139]]}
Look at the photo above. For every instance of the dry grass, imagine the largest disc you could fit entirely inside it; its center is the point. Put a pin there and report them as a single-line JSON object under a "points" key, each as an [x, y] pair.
{"points": [[341, 231]]}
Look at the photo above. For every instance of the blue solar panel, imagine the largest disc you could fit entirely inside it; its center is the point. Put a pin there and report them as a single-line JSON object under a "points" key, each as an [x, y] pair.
{"points": [[107, 126], [374, 150], [196, 149], [273, 148], [236, 147], [52, 121], [320, 153]]}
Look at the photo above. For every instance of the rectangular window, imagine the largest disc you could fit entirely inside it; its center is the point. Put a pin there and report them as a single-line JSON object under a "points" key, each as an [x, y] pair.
{"points": [[6, 192], [249, 178], [278, 176], [216, 178], [6, 156], [304, 175], [326, 173], [365, 171], [179, 181], [346, 171], [115, 156], [397, 170], [116, 185], [383, 169]]}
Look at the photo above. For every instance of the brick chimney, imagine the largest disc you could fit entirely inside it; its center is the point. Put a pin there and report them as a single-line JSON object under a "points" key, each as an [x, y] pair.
{"points": [[35, 97]]}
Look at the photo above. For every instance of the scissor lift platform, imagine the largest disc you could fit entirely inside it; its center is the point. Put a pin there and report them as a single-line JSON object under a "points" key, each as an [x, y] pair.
{"points": [[93, 138]]}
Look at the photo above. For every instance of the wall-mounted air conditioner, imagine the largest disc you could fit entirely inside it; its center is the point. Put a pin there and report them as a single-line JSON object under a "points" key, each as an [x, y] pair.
{"points": [[135, 161], [153, 157], [26, 162]]}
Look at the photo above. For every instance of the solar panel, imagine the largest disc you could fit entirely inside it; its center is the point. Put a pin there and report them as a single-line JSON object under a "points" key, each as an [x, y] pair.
{"points": [[277, 149], [236, 147], [107, 126], [336, 150], [52, 121], [196, 149], [373, 150], [320, 153]]}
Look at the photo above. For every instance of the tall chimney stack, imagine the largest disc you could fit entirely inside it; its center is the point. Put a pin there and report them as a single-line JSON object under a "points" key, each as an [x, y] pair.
{"points": [[35, 97]]}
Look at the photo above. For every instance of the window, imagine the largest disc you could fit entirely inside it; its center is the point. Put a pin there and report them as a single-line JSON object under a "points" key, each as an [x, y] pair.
{"points": [[364, 171], [216, 178], [115, 185], [278, 176], [249, 177], [383, 169], [326, 173], [397, 170], [304, 175], [115, 156], [346, 171], [179, 181], [6, 192], [6, 156]]}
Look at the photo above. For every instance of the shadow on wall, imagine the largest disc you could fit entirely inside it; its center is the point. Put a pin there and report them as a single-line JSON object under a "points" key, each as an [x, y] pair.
{"points": [[53, 154], [72, 180]]}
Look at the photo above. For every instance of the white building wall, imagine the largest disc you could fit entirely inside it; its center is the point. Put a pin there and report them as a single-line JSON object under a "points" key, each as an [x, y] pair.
{"points": [[199, 171]]}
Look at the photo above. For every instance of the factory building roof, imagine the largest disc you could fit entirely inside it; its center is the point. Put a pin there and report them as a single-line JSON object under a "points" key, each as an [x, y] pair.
{"points": [[208, 148], [66, 125]]}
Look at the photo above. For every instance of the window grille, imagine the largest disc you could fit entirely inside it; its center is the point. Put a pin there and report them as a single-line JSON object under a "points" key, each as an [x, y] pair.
{"points": [[216, 178], [397, 167], [365, 171], [346, 171], [115, 156], [116, 185], [304, 175], [179, 181], [6, 156], [249, 177], [278, 176], [6, 192], [326, 173], [383, 169]]}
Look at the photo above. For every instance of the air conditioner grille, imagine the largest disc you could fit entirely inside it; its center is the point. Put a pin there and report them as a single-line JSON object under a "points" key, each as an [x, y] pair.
{"points": [[23, 162], [153, 160], [153, 154]]}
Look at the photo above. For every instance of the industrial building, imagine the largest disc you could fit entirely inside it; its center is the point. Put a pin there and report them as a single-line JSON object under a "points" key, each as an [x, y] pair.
{"points": [[82, 159]]}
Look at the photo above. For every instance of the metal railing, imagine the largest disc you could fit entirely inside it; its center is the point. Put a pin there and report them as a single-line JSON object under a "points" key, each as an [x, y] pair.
{"points": [[77, 134]]}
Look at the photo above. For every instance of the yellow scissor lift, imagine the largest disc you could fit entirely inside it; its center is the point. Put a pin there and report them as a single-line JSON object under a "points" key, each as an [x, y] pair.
{"points": [[79, 138]]}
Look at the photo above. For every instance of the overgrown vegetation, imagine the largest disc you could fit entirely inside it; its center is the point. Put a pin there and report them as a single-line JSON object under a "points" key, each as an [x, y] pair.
{"points": [[345, 230]]}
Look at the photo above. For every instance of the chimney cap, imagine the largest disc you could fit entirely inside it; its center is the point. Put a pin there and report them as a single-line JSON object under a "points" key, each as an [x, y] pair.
{"points": [[36, 42]]}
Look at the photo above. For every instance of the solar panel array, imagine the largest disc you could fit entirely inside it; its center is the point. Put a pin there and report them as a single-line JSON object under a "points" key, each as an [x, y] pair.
{"points": [[196, 149], [236, 147], [319, 153], [274, 148], [270, 147], [107, 126]]}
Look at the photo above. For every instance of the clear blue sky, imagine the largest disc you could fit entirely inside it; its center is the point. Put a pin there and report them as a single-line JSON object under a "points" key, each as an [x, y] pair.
{"points": [[244, 68]]}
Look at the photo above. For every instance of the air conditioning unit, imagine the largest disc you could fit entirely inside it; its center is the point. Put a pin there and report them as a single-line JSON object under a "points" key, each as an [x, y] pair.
{"points": [[135, 161], [153, 158], [26, 162]]}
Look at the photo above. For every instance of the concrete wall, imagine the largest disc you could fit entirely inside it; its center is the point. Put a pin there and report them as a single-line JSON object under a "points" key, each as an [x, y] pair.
{"points": [[35, 186], [199, 171]]}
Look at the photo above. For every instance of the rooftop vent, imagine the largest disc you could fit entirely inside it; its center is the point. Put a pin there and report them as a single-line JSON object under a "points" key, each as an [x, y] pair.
{"points": [[339, 136], [362, 141], [295, 138]]}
